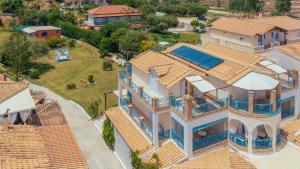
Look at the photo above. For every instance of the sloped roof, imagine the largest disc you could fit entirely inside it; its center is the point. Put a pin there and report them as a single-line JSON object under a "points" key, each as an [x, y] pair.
{"points": [[219, 159], [292, 131], [170, 70], [129, 132], [292, 50], [241, 26], [168, 154], [9, 89], [62, 148], [228, 71], [284, 22], [22, 147], [113, 10], [50, 114]]}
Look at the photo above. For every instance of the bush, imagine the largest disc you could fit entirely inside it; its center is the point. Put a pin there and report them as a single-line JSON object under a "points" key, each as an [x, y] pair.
{"points": [[34, 74], [93, 109], [72, 43], [90, 78], [55, 42], [71, 86], [108, 134], [107, 65], [137, 162]]}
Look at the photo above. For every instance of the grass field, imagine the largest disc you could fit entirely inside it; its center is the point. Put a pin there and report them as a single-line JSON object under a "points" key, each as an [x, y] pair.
{"points": [[4, 34], [83, 62], [188, 37]]}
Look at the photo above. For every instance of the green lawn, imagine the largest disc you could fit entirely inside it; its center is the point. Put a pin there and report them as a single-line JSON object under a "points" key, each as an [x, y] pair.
{"points": [[188, 37], [4, 34], [82, 63]]}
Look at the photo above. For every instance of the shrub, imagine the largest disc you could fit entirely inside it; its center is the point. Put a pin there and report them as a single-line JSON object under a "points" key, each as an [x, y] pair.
{"points": [[107, 65], [93, 109], [71, 86], [55, 42], [34, 74], [108, 134], [90, 78], [72, 43], [138, 164]]}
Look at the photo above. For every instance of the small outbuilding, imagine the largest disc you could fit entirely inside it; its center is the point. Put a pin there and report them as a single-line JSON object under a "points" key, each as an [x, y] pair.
{"points": [[45, 32]]}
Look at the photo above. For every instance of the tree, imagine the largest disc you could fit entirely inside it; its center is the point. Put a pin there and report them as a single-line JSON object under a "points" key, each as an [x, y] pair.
{"points": [[283, 6], [38, 47], [129, 43], [160, 23], [108, 134], [12, 6], [17, 54], [246, 5]]}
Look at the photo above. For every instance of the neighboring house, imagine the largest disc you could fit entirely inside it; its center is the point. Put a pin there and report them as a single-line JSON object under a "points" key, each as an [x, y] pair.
{"points": [[45, 32], [44, 141], [288, 56], [102, 15], [253, 35], [97, 2], [201, 99], [6, 18]]}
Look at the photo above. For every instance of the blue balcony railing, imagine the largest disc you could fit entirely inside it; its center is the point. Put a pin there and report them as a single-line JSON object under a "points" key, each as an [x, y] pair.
{"points": [[134, 115], [238, 139], [177, 138], [176, 103], [122, 74], [238, 105], [278, 138], [164, 135], [163, 102], [262, 143], [124, 104], [262, 108], [210, 140], [209, 106], [146, 128], [286, 113], [147, 97], [129, 69], [134, 86]]}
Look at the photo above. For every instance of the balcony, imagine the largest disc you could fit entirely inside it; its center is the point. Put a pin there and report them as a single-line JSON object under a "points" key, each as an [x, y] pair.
{"points": [[238, 139], [198, 109], [286, 113], [177, 103], [262, 143], [209, 140], [142, 121], [177, 138], [164, 135], [263, 109]]}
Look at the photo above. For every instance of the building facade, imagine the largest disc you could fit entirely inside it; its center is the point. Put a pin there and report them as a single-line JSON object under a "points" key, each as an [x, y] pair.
{"points": [[43, 32], [253, 35], [205, 97], [102, 15]]}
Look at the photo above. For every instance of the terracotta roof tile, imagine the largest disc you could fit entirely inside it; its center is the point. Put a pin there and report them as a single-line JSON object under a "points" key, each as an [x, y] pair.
{"points": [[9, 89], [168, 154], [222, 158], [113, 10], [62, 148], [241, 26], [291, 131], [37, 96], [50, 114], [129, 132], [284, 22], [22, 147], [292, 50]]}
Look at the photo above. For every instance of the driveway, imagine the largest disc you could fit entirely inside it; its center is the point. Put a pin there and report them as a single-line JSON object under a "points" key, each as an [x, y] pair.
{"points": [[87, 134]]}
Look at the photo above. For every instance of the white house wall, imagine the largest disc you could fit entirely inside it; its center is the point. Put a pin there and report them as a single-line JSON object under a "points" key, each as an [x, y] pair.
{"points": [[122, 150]]}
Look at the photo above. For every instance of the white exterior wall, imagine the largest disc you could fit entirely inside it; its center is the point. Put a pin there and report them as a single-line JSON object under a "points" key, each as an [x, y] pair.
{"points": [[122, 150], [293, 36], [288, 62]]}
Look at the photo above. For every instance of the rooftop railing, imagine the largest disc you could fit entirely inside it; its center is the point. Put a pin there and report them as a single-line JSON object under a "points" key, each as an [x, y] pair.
{"points": [[147, 97], [177, 138], [146, 128], [163, 102]]}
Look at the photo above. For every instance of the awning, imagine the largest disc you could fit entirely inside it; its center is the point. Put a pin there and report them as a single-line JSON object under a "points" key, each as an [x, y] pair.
{"points": [[256, 81], [270, 65], [200, 84], [20, 102]]}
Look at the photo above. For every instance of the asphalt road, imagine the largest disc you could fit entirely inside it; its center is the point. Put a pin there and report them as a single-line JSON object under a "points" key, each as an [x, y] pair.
{"points": [[87, 134]]}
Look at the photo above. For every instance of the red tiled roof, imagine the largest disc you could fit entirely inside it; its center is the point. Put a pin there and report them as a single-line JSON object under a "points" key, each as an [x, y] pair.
{"points": [[113, 10]]}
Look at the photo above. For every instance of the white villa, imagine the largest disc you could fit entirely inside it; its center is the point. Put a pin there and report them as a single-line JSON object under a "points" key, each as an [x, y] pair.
{"points": [[195, 107]]}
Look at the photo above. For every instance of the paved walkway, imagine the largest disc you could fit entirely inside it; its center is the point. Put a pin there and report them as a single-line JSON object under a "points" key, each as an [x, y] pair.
{"points": [[88, 136]]}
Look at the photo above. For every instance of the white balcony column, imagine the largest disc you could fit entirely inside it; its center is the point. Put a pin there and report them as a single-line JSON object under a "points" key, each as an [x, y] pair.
{"points": [[155, 139], [273, 99], [250, 101], [250, 148], [188, 141], [274, 135]]}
